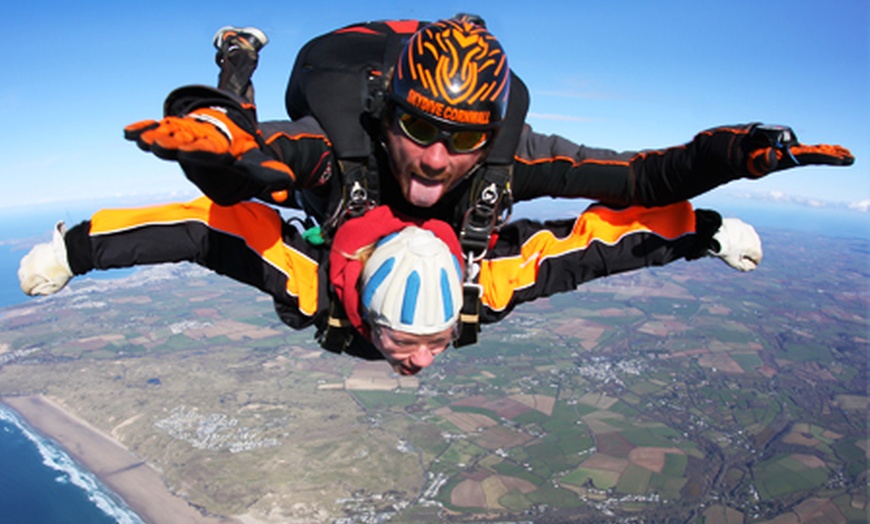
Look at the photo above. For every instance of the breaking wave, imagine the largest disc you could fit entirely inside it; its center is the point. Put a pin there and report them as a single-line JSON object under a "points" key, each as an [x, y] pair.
{"points": [[71, 472]]}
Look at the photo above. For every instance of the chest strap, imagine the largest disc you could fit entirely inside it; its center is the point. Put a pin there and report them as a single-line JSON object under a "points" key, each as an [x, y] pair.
{"points": [[359, 193], [490, 207]]}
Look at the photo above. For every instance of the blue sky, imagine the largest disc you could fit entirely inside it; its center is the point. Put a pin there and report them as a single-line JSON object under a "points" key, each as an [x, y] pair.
{"points": [[617, 74]]}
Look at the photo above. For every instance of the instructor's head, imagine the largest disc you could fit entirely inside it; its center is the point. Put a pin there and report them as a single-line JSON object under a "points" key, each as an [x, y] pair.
{"points": [[448, 97]]}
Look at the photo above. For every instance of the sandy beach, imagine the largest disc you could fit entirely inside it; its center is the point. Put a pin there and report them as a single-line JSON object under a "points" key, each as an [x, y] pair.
{"points": [[137, 483]]}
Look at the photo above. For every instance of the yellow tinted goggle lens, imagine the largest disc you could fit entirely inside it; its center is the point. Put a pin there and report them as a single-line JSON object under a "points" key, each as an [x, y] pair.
{"points": [[465, 141], [419, 129], [426, 133]]}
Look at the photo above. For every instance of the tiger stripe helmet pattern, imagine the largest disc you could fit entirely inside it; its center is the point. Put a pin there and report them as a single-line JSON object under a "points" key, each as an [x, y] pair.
{"points": [[454, 72]]}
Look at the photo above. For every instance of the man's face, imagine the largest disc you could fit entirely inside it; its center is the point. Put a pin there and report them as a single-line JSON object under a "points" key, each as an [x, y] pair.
{"points": [[408, 353], [426, 172]]}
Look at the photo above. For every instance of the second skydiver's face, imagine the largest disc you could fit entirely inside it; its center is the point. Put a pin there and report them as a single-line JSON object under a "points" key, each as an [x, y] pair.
{"points": [[408, 353], [423, 163]]}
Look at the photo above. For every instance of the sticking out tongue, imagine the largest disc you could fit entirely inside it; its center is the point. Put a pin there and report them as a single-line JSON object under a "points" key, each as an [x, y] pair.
{"points": [[424, 194]]}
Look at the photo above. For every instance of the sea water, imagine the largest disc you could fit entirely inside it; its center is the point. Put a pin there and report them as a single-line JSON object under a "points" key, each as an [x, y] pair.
{"points": [[40, 484]]}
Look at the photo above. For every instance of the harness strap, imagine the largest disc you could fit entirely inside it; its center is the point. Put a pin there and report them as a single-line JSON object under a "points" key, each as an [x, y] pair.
{"points": [[491, 205], [337, 334], [359, 193], [469, 316]]}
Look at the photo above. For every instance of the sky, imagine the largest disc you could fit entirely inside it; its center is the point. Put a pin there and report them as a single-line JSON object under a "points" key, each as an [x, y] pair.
{"points": [[625, 75]]}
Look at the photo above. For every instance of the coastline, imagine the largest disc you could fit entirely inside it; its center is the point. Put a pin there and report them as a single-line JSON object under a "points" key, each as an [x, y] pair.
{"points": [[136, 482]]}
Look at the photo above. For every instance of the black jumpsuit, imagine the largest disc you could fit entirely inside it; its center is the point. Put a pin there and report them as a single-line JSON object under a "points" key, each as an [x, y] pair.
{"points": [[251, 243], [543, 166]]}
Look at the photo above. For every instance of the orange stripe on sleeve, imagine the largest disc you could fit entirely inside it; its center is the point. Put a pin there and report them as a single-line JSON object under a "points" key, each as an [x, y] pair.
{"points": [[573, 161], [501, 277], [298, 136], [258, 225]]}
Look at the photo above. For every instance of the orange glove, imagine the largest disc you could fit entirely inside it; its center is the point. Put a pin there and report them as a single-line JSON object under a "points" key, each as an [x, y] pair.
{"points": [[774, 148], [205, 135], [211, 136]]}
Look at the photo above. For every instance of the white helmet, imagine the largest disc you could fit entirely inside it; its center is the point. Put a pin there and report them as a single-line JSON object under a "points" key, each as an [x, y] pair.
{"points": [[412, 283]]}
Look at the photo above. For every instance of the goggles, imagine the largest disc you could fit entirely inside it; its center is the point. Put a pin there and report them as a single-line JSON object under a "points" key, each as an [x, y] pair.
{"points": [[410, 340], [426, 133]]}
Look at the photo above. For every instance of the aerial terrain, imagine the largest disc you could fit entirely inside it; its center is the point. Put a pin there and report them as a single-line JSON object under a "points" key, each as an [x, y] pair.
{"points": [[690, 393]]}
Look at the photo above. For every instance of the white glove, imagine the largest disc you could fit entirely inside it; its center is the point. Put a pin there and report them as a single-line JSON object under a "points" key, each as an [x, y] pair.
{"points": [[739, 244], [45, 269]]}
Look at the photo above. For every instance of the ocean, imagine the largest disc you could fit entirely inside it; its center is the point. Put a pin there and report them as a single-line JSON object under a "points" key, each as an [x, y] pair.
{"points": [[41, 484]]}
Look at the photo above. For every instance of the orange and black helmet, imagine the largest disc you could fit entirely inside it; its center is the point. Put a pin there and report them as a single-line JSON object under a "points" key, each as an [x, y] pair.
{"points": [[453, 72]]}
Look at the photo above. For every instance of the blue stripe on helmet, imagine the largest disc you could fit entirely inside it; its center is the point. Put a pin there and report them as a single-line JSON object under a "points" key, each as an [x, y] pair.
{"points": [[446, 295], [376, 280], [409, 302], [385, 239]]}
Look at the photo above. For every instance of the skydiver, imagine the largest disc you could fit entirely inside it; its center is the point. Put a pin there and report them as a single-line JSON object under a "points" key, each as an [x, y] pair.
{"points": [[397, 280], [425, 135]]}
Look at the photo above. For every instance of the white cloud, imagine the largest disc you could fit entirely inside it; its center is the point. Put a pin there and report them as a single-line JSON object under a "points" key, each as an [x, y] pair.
{"points": [[784, 198]]}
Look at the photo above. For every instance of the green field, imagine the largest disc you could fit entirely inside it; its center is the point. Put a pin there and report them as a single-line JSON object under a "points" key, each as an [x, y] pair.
{"points": [[675, 465], [789, 423], [378, 400], [511, 469], [600, 479], [747, 361], [783, 475], [634, 480]]}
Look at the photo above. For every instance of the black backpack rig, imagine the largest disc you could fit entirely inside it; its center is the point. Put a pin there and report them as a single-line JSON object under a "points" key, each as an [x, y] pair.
{"points": [[342, 79]]}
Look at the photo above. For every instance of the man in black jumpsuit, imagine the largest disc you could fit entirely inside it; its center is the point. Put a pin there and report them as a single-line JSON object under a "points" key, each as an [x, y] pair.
{"points": [[437, 130]]}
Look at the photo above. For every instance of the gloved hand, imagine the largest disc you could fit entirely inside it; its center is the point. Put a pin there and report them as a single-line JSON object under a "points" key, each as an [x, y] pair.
{"points": [[774, 148], [211, 136], [206, 135], [45, 269], [737, 244]]}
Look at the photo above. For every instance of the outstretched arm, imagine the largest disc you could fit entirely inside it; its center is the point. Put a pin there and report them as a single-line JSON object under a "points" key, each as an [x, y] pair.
{"points": [[247, 242], [531, 259], [228, 154], [301, 146], [553, 166]]}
